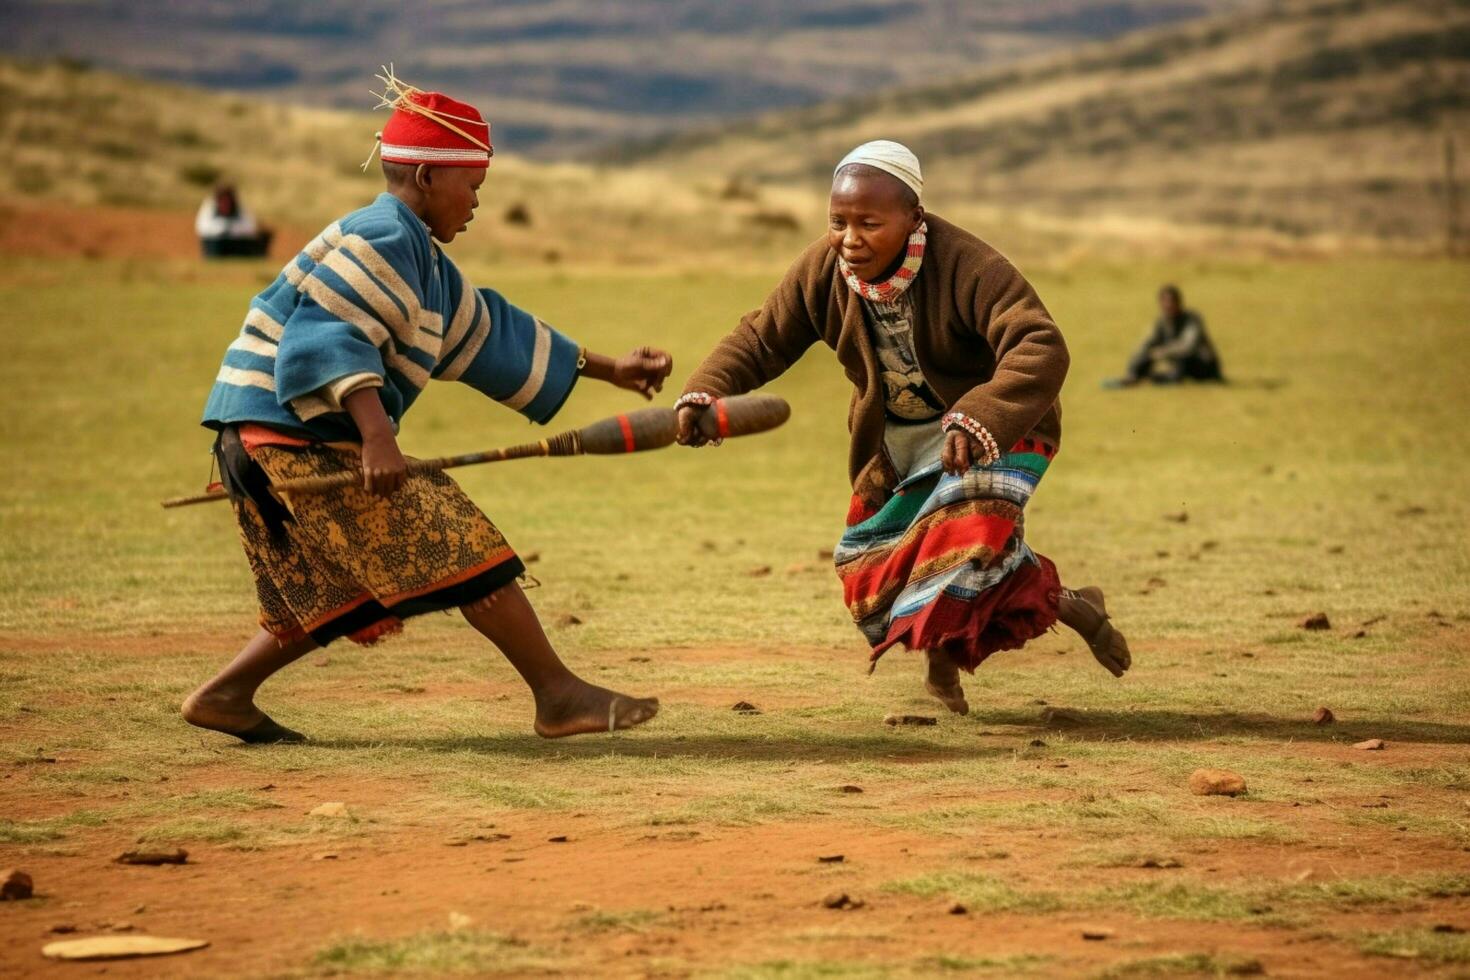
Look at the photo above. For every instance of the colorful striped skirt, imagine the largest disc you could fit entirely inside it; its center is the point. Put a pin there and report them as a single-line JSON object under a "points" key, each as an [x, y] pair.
{"points": [[943, 564], [355, 564]]}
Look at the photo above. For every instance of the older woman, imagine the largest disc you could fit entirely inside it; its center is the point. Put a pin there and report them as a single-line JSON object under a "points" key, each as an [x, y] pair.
{"points": [[956, 367]]}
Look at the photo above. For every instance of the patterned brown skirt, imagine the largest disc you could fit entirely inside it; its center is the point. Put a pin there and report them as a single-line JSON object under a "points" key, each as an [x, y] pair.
{"points": [[355, 564]]}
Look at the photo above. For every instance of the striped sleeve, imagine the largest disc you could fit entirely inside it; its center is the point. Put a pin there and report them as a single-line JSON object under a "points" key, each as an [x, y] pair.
{"points": [[508, 354], [359, 320], [250, 362]]}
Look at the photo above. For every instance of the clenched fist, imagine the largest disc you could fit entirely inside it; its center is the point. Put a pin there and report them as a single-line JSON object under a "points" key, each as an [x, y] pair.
{"points": [[642, 370]]}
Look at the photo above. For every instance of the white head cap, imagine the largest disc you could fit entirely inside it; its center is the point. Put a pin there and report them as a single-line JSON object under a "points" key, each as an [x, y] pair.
{"points": [[889, 157]]}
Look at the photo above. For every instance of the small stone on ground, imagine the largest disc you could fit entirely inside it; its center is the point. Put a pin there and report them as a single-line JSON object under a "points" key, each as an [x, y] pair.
{"points": [[15, 885], [1371, 745], [910, 720], [118, 947], [1318, 621], [175, 855], [1324, 716], [1151, 862], [1216, 782], [333, 809]]}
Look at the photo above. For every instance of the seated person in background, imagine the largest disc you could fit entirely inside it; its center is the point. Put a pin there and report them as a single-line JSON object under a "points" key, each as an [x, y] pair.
{"points": [[226, 229], [1177, 349]]}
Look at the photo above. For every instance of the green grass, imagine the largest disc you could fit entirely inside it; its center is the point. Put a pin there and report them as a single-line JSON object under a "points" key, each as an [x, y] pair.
{"points": [[1418, 944], [202, 830], [49, 829], [1090, 812], [468, 951], [88, 547], [1006, 965], [111, 610], [926, 967], [631, 920], [980, 893], [805, 969], [1185, 965], [1274, 902], [1179, 900]]}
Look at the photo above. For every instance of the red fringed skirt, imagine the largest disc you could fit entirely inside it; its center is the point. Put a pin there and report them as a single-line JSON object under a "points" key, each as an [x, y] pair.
{"points": [[943, 563]]}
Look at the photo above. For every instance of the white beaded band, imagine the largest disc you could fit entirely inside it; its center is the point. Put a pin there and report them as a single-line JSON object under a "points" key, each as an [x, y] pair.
{"points": [[702, 398], [963, 423]]}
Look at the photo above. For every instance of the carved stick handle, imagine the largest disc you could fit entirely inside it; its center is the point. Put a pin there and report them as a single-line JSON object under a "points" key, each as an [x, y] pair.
{"points": [[565, 444]]}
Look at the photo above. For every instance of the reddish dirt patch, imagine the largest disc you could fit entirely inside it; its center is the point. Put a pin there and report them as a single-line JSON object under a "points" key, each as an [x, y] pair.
{"points": [[52, 230], [707, 896], [712, 895]]}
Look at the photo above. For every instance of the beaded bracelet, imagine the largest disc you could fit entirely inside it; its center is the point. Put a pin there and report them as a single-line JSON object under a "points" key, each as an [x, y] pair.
{"points": [[963, 423], [702, 398]]}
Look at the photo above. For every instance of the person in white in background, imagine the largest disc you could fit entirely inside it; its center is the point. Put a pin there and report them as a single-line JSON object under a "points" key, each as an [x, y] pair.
{"points": [[226, 229]]}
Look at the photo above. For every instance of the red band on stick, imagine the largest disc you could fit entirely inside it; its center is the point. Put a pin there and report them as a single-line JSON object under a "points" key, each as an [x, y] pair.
{"points": [[722, 419], [629, 443]]}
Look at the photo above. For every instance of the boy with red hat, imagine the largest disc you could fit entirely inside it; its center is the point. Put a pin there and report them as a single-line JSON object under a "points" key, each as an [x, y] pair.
{"points": [[329, 359]]}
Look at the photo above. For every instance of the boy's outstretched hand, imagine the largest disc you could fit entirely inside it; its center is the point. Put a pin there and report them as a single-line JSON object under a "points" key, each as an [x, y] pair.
{"points": [[643, 370]]}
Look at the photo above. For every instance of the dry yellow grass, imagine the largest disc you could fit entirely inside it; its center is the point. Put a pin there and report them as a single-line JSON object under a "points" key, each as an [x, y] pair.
{"points": [[154, 145]]}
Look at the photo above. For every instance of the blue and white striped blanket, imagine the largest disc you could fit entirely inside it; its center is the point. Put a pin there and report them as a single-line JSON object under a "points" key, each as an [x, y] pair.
{"points": [[373, 300]]}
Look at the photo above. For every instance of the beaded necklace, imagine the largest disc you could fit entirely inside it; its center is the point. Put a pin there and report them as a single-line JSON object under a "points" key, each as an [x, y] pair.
{"points": [[893, 287]]}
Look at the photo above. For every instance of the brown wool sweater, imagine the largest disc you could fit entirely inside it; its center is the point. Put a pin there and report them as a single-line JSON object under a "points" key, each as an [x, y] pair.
{"points": [[985, 342]]}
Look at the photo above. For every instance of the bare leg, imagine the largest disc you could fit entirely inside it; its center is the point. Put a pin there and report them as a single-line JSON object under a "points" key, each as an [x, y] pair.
{"points": [[1083, 610], [943, 682], [226, 702], [565, 704]]}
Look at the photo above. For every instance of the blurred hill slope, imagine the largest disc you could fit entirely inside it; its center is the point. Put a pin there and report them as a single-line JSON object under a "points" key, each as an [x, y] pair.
{"points": [[1300, 118], [1305, 125], [86, 152], [562, 75]]}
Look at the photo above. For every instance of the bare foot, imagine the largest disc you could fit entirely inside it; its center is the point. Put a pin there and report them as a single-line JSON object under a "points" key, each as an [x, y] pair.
{"points": [[943, 682], [221, 713], [1084, 611], [585, 708]]}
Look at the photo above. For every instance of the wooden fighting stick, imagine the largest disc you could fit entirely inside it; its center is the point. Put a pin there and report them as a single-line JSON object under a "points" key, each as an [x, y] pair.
{"points": [[634, 432]]}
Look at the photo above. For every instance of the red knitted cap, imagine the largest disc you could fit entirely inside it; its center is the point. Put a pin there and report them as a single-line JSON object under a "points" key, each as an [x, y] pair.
{"points": [[439, 131]]}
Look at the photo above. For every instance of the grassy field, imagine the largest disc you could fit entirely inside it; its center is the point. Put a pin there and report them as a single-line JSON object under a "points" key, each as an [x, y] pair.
{"points": [[1330, 477]]}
